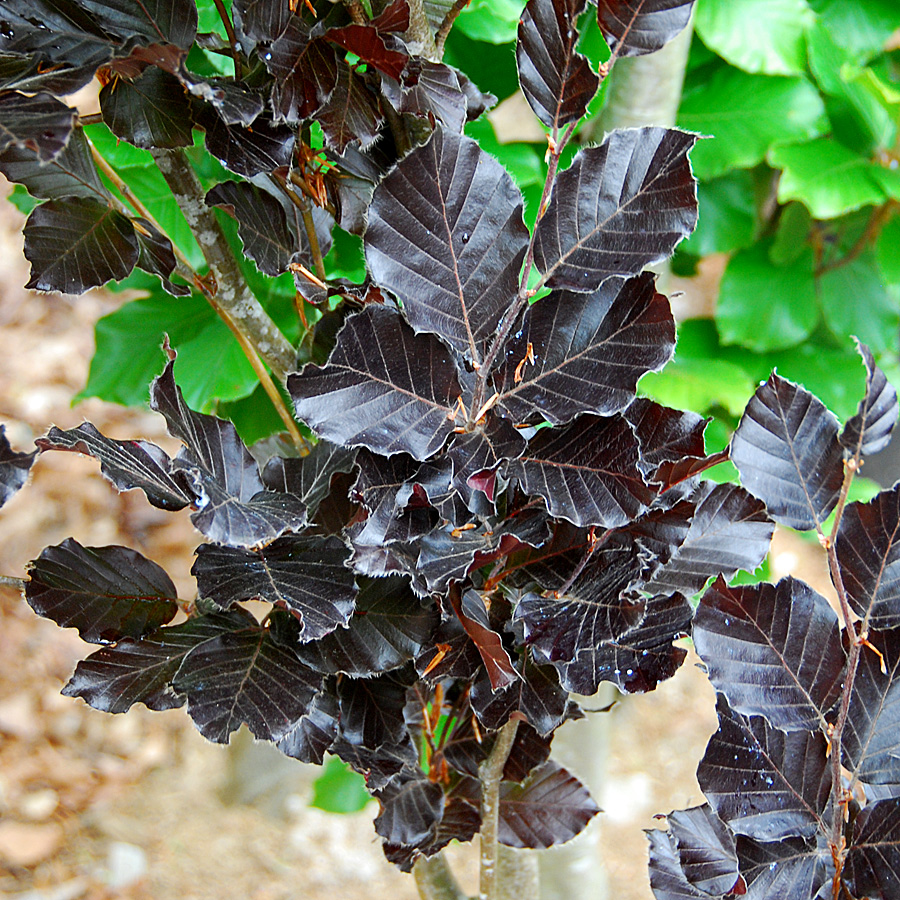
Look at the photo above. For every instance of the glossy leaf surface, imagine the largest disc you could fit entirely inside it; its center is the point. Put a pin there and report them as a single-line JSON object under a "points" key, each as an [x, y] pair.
{"points": [[787, 451], [869, 431], [106, 593], [706, 850], [14, 468], [590, 230], [873, 862], [429, 241], [41, 123], [638, 27]]}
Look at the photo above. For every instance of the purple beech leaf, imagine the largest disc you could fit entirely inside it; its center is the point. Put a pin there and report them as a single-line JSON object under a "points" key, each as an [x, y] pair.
{"points": [[793, 867], [729, 531], [871, 742], [618, 208], [306, 575], [14, 467], [577, 353], [587, 472], [787, 450], [309, 477], [411, 808], [437, 92], [869, 431], [352, 114], [393, 513], [639, 27], [350, 183], [233, 506], [245, 677], [76, 244], [30, 75], [378, 766], [764, 783], [384, 387], [151, 111], [388, 629], [551, 807], [477, 101], [379, 49], [666, 435], [336, 511], [662, 531], [595, 608], [260, 20], [41, 123], [314, 733], [157, 257], [773, 650], [551, 565], [873, 863], [446, 236], [107, 593], [435, 479], [667, 878], [536, 693], [638, 660], [706, 851], [557, 81], [114, 678], [71, 173], [127, 464], [868, 552], [477, 454], [394, 18], [473, 617], [248, 151], [372, 709], [305, 72], [451, 654]]}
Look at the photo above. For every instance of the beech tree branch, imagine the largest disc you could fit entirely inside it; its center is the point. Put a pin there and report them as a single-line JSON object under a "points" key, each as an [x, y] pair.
{"points": [[419, 35], [435, 880], [232, 292]]}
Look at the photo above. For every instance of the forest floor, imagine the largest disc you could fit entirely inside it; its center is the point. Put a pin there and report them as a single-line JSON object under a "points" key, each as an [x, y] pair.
{"points": [[139, 806]]}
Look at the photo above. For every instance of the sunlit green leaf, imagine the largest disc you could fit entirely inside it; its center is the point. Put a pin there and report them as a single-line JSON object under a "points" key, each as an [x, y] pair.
{"points": [[339, 789]]}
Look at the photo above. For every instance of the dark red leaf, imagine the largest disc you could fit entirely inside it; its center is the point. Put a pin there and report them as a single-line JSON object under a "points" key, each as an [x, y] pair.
{"points": [[379, 49], [868, 551], [260, 20], [351, 114], [436, 92], [151, 111], [411, 808], [307, 575], [430, 243], [706, 851], [388, 629], [618, 208], [14, 467], [372, 709], [245, 677], [477, 454], [127, 464], [473, 617], [157, 257], [766, 784], [41, 123], [587, 472], [248, 151], [551, 807], [638, 27], [872, 736], [793, 867], [773, 650], [305, 72], [76, 244], [384, 388], [557, 81], [666, 435], [607, 339], [316, 731], [869, 431], [107, 593], [115, 678], [787, 450], [667, 879], [873, 863]]}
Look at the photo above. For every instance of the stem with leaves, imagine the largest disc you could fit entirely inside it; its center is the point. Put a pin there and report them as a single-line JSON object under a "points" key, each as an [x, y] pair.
{"points": [[232, 291]]}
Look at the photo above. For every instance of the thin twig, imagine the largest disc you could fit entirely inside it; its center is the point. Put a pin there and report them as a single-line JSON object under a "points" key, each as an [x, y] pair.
{"points": [[91, 119], [297, 181], [440, 37], [11, 582], [491, 773], [309, 225], [232, 37], [879, 217], [357, 11]]}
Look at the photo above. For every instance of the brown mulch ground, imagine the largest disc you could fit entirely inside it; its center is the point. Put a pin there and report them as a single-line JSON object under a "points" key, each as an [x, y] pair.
{"points": [[95, 806]]}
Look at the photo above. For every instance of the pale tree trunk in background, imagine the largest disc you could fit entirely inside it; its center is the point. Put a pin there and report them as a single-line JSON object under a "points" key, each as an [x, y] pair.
{"points": [[643, 90]]}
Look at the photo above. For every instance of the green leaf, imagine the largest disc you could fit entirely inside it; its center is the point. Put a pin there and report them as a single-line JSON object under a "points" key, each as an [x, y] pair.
{"points": [[116, 152], [763, 306], [346, 258], [888, 250], [828, 177], [757, 35], [856, 302], [496, 65], [794, 226], [339, 789], [700, 385], [862, 26], [254, 416], [727, 215], [21, 199], [745, 115], [494, 21]]}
